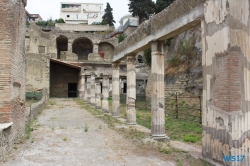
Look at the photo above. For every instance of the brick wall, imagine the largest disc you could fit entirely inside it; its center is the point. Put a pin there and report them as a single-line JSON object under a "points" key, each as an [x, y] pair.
{"points": [[12, 71]]}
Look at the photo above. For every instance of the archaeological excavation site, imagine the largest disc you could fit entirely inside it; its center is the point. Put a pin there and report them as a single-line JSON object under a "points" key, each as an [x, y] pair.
{"points": [[169, 86]]}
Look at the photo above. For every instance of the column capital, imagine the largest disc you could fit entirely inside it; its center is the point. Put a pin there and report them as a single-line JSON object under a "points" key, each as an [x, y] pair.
{"points": [[131, 59], [116, 66]]}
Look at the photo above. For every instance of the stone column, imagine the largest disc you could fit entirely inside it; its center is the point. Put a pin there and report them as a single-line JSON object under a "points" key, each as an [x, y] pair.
{"points": [[226, 82], [82, 84], [95, 48], [105, 94], [98, 95], [157, 97], [70, 46], [131, 90], [92, 89], [88, 89], [115, 90]]}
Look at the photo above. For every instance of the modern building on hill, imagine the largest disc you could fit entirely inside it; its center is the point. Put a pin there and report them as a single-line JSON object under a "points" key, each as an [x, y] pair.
{"points": [[33, 17], [81, 13]]}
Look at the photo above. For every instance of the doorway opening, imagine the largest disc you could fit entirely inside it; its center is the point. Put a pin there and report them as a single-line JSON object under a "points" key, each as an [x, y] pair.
{"points": [[72, 89], [124, 87]]}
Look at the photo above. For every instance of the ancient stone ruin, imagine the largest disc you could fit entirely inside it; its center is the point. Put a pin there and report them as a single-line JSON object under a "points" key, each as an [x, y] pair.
{"points": [[72, 65]]}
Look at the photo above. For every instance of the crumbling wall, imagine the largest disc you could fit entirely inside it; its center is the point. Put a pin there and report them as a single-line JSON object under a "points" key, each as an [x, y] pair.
{"points": [[12, 72], [226, 69], [37, 71], [32, 111]]}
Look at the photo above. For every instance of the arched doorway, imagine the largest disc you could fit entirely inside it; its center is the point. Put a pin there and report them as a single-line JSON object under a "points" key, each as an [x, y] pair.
{"points": [[82, 47], [61, 45]]}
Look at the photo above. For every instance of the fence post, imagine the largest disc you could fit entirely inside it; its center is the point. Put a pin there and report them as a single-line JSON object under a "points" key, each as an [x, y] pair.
{"points": [[176, 105], [200, 110]]}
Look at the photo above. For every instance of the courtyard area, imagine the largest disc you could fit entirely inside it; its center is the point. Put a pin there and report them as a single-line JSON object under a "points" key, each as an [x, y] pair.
{"points": [[65, 133]]}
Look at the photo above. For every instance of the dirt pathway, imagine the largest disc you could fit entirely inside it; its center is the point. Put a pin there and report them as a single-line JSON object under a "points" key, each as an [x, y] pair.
{"points": [[66, 135]]}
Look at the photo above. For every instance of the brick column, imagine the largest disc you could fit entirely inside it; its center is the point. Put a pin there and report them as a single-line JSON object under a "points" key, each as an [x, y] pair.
{"points": [[105, 94], [82, 84], [115, 90], [131, 91], [88, 89], [98, 95], [157, 97], [226, 82], [92, 89]]}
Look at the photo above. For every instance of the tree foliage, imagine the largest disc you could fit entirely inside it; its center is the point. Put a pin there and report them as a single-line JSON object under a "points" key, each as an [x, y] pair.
{"points": [[162, 4], [49, 22], [147, 56], [108, 18], [141, 8], [120, 37]]}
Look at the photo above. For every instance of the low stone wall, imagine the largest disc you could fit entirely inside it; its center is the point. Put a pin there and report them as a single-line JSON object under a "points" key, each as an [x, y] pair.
{"points": [[34, 109], [5, 129]]}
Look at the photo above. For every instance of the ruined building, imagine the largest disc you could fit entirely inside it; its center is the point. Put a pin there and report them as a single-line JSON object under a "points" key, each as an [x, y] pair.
{"points": [[12, 73]]}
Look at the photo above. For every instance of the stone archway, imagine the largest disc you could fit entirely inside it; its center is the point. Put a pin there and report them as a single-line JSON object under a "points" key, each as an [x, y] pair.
{"points": [[82, 47], [61, 45]]}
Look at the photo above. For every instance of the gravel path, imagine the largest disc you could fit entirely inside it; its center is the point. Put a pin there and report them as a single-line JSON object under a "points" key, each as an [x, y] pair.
{"points": [[59, 139]]}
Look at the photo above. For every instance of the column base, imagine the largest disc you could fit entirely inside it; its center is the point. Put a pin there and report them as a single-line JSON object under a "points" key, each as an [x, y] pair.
{"points": [[131, 123], [161, 138]]}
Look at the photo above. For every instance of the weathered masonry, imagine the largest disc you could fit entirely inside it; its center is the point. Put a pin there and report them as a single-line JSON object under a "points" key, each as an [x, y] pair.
{"points": [[226, 71], [12, 73]]}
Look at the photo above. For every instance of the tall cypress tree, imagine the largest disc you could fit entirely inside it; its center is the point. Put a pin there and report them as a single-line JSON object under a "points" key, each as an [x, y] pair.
{"points": [[108, 18], [141, 8], [162, 4]]}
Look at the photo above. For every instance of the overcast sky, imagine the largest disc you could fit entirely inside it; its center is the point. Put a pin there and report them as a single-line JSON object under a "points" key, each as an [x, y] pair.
{"points": [[51, 8]]}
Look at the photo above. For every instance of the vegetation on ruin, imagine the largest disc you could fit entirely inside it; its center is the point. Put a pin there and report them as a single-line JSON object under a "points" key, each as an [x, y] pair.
{"points": [[49, 22], [147, 56], [120, 37], [108, 17]]}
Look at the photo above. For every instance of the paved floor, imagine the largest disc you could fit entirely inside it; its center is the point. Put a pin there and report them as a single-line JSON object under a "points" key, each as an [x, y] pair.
{"points": [[59, 139]]}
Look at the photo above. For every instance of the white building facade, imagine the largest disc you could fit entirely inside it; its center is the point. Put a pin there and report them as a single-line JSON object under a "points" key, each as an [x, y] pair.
{"points": [[81, 13]]}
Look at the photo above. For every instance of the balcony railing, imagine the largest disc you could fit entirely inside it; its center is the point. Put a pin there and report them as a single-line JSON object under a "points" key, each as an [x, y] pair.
{"points": [[71, 9]]}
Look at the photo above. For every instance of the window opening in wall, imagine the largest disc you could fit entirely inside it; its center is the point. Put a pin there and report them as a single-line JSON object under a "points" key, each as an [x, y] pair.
{"points": [[76, 16], [140, 59], [72, 89], [68, 16], [124, 87]]}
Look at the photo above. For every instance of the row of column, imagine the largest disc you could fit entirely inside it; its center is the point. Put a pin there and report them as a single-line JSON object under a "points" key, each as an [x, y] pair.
{"points": [[91, 91], [157, 98], [92, 94]]}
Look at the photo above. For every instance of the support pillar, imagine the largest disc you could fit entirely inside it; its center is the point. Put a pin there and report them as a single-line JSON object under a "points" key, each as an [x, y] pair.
{"points": [[226, 82], [115, 90], [131, 90], [82, 85], [105, 94], [88, 89], [69, 46], [98, 95], [92, 89], [157, 98]]}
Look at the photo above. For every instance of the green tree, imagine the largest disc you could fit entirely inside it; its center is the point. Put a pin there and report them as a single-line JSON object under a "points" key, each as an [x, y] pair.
{"points": [[60, 20], [108, 18], [147, 56], [162, 4], [120, 37], [141, 8]]}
